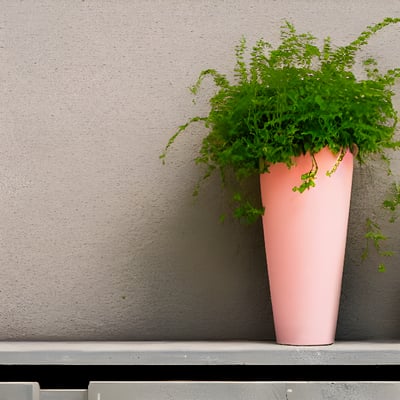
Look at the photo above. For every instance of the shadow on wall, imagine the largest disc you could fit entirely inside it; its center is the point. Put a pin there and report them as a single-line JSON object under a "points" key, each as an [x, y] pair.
{"points": [[370, 299], [207, 280]]}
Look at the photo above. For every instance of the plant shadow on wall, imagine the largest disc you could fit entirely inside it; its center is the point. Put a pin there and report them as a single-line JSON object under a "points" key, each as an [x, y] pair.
{"points": [[370, 299], [219, 296], [296, 116]]}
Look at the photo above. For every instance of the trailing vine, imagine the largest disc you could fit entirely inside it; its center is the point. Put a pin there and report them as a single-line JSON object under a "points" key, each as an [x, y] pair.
{"points": [[374, 235]]}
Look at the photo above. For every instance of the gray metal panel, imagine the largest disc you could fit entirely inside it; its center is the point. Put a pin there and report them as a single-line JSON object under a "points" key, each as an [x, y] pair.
{"points": [[19, 391], [63, 394], [244, 390], [197, 353]]}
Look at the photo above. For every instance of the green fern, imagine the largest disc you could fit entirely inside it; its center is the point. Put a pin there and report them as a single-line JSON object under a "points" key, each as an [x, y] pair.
{"points": [[291, 100]]}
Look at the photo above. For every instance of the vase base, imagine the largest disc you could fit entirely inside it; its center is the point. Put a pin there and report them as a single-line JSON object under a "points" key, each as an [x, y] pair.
{"points": [[305, 344]]}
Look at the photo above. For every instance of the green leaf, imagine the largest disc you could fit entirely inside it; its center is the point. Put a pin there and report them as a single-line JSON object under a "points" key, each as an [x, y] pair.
{"points": [[381, 268]]}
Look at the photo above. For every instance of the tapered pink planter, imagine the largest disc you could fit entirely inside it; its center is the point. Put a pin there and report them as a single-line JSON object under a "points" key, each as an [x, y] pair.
{"points": [[305, 240]]}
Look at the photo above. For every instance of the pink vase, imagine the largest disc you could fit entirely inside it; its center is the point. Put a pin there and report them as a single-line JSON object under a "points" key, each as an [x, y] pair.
{"points": [[305, 239]]}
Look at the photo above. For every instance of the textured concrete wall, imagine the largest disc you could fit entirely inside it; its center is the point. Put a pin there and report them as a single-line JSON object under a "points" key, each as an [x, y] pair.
{"points": [[98, 239]]}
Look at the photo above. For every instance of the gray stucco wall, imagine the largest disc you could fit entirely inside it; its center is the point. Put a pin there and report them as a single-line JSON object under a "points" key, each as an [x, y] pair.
{"points": [[98, 239]]}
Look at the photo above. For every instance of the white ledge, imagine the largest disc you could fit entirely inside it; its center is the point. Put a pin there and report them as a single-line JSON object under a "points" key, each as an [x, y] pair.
{"points": [[197, 353]]}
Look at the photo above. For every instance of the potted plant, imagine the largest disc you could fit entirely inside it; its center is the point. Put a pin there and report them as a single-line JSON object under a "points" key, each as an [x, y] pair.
{"points": [[296, 116]]}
